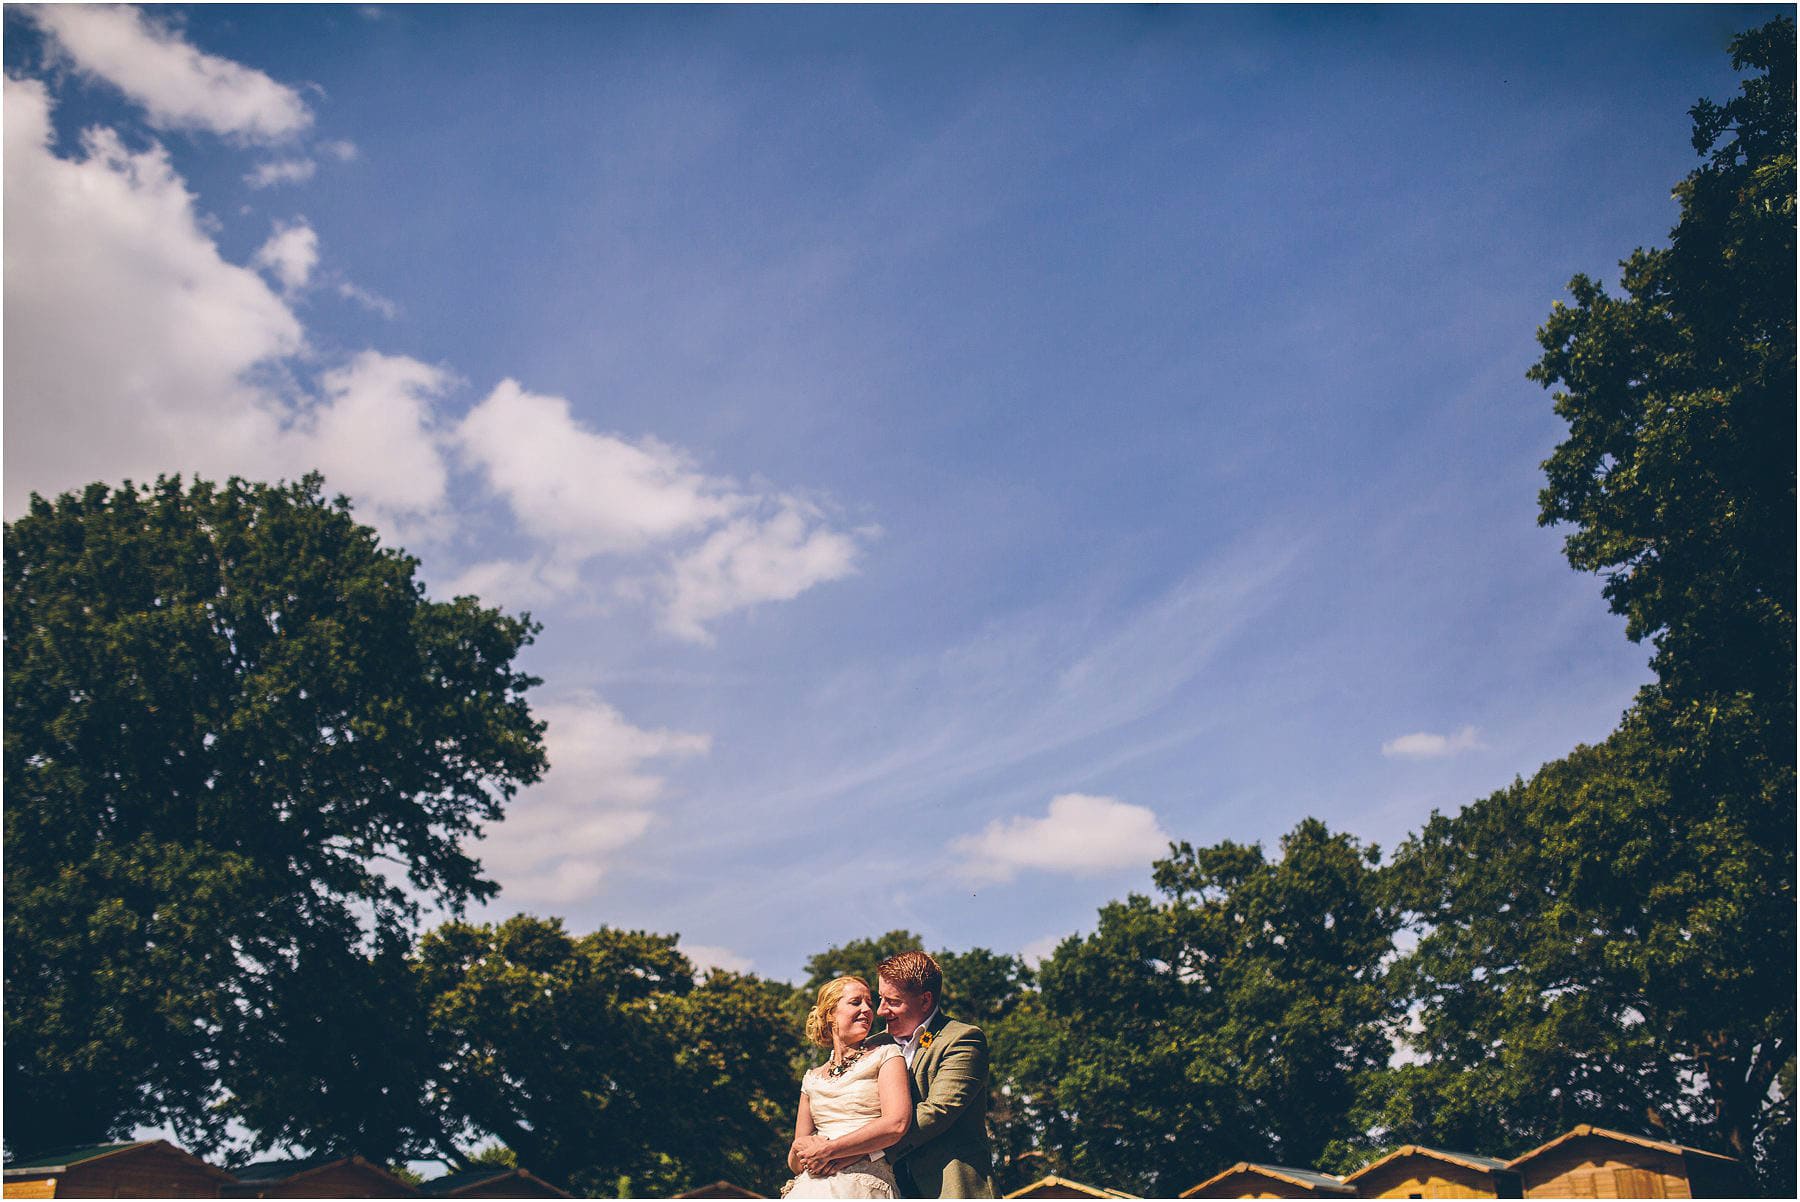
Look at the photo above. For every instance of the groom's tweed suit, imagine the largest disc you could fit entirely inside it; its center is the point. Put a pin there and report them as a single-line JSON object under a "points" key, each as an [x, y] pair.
{"points": [[944, 1154]]}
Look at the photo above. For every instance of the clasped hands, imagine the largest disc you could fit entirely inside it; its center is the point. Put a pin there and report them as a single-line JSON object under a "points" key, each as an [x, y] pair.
{"points": [[810, 1153]]}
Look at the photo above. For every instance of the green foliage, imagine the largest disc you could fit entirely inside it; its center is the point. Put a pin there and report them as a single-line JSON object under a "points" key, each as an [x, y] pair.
{"points": [[737, 1037], [1588, 953], [982, 987], [1613, 941], [857, 958], [596, 1059], [1678, 471], [1232, 1019], [229, 714], [496, 1156]]}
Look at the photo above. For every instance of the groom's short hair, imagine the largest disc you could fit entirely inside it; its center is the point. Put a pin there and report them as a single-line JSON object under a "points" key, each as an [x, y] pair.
{"points": [[915, 971]]}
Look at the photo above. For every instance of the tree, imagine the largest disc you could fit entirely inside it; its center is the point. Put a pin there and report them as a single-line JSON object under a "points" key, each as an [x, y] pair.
{"points": [[737, 1038], [1233, 1019], [1678, 471], [233, 724], [857, 958], [598, 1061], [1621, 928], [550, 1044], [1592, 949]]}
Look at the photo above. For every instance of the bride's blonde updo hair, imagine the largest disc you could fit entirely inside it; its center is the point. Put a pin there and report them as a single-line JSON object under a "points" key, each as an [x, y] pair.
{"points": [[818, 1019]]}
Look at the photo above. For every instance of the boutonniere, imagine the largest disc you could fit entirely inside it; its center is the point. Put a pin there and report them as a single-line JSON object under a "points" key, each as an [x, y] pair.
{"points": [[925, 1040]]}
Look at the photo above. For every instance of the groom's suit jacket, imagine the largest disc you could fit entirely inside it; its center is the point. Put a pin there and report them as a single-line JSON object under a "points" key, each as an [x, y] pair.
{"points": [[945, 1151]]}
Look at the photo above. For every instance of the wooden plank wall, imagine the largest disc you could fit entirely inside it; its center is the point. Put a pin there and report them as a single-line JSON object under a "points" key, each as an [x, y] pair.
{"points": [[1603, 1168]]}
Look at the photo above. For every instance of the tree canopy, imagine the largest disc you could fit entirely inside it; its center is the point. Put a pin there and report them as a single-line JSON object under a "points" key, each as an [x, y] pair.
{"points": [[239, 739], [601, 1064], [1231, 1019], [1677, 473]]}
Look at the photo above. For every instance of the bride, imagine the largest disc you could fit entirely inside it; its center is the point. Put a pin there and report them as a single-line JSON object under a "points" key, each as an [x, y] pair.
{"points": [[852, 1106]]}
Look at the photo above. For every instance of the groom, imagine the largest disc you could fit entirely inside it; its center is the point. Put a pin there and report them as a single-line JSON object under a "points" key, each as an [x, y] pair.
{"points": [[945, 1153]]}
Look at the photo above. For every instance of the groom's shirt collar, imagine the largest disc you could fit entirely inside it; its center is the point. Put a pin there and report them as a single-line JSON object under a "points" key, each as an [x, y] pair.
{"points": [[910, 1045]]}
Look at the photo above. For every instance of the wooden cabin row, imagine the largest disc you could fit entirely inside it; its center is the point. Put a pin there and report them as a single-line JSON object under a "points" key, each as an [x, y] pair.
{"points": [[1588, 1162], [156, 1168]]}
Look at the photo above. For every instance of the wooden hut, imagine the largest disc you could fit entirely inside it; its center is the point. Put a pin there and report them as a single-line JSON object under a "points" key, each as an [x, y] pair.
{"points": [[1592, 1162], [721, 1189], [145, 1168], [1419, 1172], [318, 1177], [1246, 1180], [491, 1181], [1061, 1187]]}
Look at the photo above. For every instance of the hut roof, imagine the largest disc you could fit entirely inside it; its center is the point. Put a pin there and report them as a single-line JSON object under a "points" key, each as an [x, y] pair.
{"points": [[719, 1189], [1306, 1179], [61, 1160], [1054, 1182], [1469, 1160], [466, 1179], [1624, 1137], [268, 1172], [283, 1168]]}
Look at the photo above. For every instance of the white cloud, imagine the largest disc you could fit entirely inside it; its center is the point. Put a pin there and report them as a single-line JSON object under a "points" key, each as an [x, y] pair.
{"points": [[514, 584], [582, 492], [1080, 834], [131, 342], [706, 956], [1040, 950], [290, 254], [136, 349], [749, 561], [597, 798], [179, 86], [373, 302], [281, 171], [1424, 745], [128, 336], [373, 438], [343, 152]]}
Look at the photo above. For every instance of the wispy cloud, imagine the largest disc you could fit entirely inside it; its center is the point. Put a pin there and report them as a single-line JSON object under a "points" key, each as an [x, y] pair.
{"points": [[580, 494], [1080, 835], [1424, 745], [178, 86], [281, 171], [705, 957], [290, 254], [373, 302], [752, 560], [597, 798]]}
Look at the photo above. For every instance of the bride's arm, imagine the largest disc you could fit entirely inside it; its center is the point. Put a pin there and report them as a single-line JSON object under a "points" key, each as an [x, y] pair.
{"points": [[896, 1115], [803, 1127]]}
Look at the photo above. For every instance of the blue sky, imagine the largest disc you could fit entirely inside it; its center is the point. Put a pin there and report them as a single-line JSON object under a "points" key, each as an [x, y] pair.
{"points": [[952, 451]]}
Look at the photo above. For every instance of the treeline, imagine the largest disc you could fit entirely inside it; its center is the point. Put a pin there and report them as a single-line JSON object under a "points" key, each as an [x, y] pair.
{"points": [[241, 746]]}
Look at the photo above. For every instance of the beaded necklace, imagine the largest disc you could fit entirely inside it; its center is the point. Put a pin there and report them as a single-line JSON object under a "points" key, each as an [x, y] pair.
{"points": [[838, 1068]]}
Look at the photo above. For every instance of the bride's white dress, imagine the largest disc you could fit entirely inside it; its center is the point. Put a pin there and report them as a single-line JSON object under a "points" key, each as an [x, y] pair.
{"points": [[839, 1106]]}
